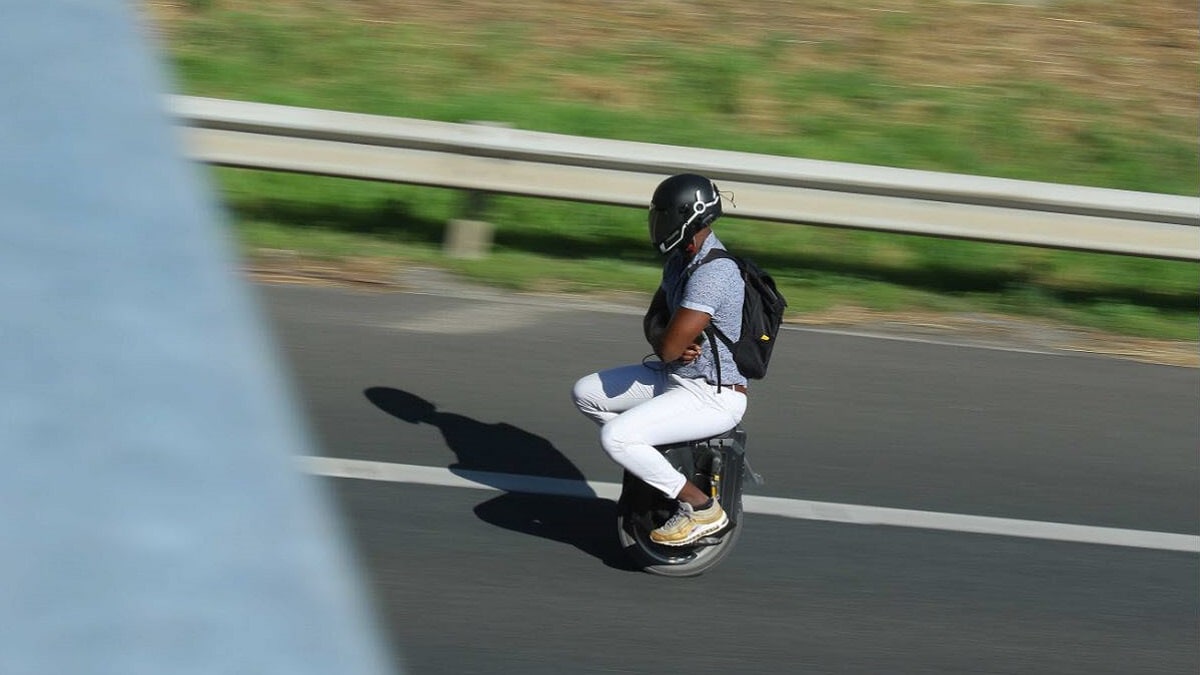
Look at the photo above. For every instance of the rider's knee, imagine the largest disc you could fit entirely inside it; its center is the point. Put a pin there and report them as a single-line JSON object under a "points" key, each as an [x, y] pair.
{"points": [[615, 440], [583, 394]]}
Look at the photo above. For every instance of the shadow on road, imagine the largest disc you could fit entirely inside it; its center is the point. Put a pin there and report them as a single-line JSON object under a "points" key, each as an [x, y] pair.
{"points": [[588, 524]]}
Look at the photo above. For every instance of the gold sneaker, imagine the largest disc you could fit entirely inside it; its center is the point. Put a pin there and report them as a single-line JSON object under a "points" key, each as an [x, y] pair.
{"points": [[688, 525]]}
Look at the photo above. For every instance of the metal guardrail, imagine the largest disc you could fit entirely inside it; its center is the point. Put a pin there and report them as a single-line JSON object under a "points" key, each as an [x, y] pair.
{"points": [[766, 187]]}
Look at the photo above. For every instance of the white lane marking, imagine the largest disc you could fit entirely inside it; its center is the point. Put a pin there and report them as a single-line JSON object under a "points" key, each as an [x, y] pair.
{"points": [[954, 522], [479, 480], [774, 506]]}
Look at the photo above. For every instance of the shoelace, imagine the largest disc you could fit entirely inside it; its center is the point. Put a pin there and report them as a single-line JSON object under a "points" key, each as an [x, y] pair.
{"points": [[681, 513]]}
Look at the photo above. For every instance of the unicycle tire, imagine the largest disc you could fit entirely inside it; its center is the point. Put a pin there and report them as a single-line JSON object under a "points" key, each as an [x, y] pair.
{"points": [[676, 561]]}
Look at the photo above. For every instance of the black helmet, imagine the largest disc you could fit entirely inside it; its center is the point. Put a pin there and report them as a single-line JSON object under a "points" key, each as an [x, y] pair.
{"points": [[681, 206]]}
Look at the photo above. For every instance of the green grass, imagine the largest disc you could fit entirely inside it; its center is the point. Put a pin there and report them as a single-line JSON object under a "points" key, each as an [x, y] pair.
{"points": [[604, 250], [639, 88]]}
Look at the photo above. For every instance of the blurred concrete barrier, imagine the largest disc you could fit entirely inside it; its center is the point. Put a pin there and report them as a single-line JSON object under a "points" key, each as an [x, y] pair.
{"points": [[153, 520], [766, 187]]}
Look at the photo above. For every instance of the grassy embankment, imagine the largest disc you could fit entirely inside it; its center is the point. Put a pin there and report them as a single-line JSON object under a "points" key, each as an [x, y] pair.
{"points": [[1071, 92]]}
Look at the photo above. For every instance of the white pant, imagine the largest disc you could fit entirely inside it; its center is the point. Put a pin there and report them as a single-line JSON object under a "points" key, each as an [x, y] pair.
{"points": [[640, 406]]}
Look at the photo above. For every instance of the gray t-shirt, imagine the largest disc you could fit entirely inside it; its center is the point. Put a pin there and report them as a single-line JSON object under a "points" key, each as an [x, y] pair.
{"points": [[715, 288]]}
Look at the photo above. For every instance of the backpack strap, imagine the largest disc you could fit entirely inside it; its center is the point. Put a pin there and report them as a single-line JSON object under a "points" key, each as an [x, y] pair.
{"points": [[714, 254], [711, 330]]}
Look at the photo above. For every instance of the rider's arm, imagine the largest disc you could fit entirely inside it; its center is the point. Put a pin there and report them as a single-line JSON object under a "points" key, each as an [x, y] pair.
{"points": [[654, 324], [686, 324]]}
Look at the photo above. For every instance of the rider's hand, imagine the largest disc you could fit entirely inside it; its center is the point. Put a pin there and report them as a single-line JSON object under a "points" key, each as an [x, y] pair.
{"points": [[690, 353]]}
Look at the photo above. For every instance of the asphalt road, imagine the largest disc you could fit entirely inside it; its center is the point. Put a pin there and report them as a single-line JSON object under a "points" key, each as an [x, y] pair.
{"points": [[469, 581]]}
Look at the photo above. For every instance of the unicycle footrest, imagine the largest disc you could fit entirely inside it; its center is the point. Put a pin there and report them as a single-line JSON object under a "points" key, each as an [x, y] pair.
{"points": [[714, 539]]}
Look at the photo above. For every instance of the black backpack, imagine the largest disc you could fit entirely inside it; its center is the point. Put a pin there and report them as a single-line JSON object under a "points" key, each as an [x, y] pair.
{"points": [[762, 314]]}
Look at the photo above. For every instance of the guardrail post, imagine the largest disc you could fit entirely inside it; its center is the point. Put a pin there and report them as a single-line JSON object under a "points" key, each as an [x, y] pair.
{"points": [[470, 236]]}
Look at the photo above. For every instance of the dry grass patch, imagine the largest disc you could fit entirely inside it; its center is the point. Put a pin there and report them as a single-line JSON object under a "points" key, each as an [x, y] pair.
{"points": [[1141, 57]]}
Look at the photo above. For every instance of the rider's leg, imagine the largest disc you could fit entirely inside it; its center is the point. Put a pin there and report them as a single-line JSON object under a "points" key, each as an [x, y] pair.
{"points": [[687, 410], [604, 395], [692, 494]]}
